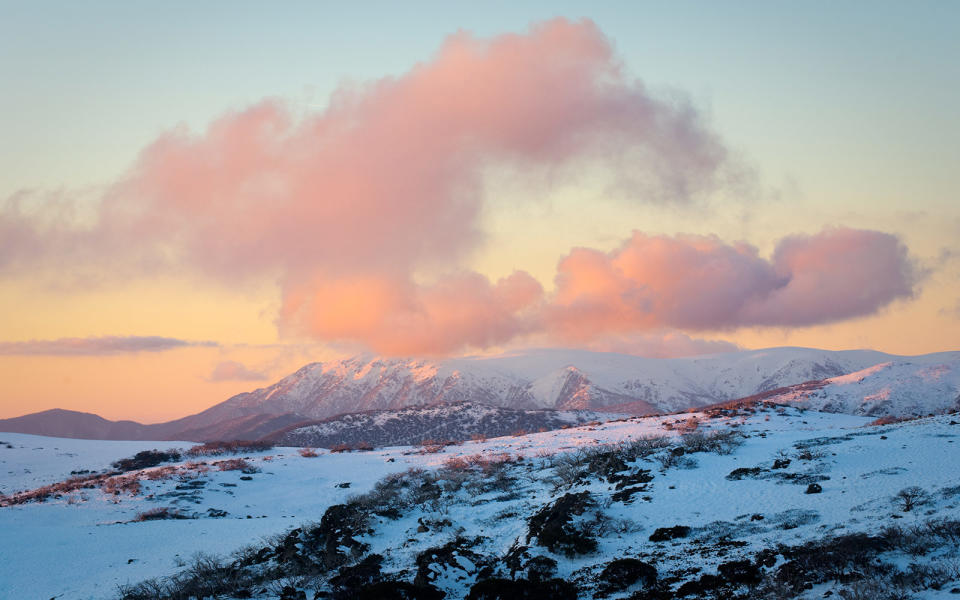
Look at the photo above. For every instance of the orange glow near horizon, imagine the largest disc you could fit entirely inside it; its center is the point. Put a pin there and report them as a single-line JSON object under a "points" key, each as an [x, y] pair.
{"points": [[511, 190]]}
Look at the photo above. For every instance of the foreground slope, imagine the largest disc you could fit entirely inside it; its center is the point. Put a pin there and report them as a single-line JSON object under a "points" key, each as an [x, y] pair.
{"points": [[554, 505]]}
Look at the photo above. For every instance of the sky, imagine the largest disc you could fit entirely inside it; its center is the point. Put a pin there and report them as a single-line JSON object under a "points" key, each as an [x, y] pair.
{"points": [[198, 198]]}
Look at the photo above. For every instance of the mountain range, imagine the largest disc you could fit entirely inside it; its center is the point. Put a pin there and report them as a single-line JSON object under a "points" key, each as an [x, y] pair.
{"points": [[545, 379]]}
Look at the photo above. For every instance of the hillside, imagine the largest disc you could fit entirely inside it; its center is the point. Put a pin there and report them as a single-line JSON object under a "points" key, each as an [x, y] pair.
{"points": [[440, 422], [901, 388], [765, 502]]}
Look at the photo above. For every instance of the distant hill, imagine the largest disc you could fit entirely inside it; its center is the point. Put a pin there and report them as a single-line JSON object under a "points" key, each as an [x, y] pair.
{"points": [[547, 379], [902, 388]]}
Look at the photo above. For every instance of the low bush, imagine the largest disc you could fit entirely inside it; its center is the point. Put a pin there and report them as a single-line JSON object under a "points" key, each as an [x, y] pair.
{"points": [[229, 447], [160, 513], [235, 464], [146, 459]]}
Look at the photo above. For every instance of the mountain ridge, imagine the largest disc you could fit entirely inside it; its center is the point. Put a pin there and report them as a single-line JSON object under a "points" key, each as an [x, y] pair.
{"points": [[554, 379]]}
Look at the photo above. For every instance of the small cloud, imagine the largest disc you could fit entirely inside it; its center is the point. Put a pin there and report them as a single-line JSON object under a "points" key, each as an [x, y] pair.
{"points": [[668, 344], [97, 346], [231, 370], [951, 311]]}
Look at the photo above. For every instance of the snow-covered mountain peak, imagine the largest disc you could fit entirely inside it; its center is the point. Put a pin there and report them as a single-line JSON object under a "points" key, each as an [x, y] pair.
{"points": [[560, 379]]}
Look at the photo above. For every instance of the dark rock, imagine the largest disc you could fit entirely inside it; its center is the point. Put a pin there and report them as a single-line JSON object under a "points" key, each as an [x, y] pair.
{"points": [[540, 568], [741, 572], [291, 593], [814, 488], [552, 526], [622, 573], [397, 590], [639, 477], [751, 472], [781, 463], [523, 589], [448, 557], [626, 496], [663, 534], [700, 587], [354, 577]]}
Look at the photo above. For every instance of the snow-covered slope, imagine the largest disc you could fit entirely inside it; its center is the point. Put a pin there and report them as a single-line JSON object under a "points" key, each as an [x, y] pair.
{"points": [[560, 379], [898, 388], [465, 514]]}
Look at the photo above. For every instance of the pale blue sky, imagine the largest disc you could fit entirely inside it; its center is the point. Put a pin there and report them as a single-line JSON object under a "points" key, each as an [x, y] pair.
{"points": [[853, 99]]}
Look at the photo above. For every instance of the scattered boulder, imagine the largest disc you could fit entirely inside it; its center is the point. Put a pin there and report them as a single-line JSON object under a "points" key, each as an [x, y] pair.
{"points": [[740, 572], [664, 534], [552, 526], [453, 559], [540, 568], [622, 573], [523, 589], [744, 472], [354, 577], [291, 593], [396, 590], [700, 587], [814, 488]]}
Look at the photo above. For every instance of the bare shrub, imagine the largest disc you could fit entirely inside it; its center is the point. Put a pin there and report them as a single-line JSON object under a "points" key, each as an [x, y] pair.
{"points": [[670, 460], [161, 473], [808, 453], [235, 464], [887, 420], [910, 497], [643, 446], [159, 513], [430, 446], [456, 463], [308, 453], [122, 483]]}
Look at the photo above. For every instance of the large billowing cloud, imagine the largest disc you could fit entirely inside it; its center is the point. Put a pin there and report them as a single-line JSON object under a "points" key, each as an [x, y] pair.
{"points": [[387, 178], [346, 206], [702, 283]]}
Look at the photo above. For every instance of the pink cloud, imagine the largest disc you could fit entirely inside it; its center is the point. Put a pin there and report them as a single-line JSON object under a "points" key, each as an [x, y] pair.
{"points": [[346, 205], [231, 370], [397, 317], [702, 283]]}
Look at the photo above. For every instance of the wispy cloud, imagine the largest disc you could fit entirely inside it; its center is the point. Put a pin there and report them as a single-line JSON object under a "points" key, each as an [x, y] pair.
{"points": [[231, 370], [97, 346]]}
